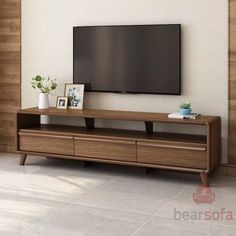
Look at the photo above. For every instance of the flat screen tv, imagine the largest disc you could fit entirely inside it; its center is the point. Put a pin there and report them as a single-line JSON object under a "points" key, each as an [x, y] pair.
{"points": [[128, 59]]}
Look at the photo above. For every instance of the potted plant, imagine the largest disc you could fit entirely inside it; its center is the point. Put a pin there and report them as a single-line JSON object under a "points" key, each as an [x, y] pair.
{"points": [[185, 108], [45, 86]]}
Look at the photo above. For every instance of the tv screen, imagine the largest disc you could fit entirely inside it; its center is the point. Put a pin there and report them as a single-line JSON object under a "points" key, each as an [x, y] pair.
{"points": [[128, 59]]}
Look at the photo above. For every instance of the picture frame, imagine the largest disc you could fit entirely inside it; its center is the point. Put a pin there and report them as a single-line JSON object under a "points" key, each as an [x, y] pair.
{"points": [[62, 102], [75, 94]]}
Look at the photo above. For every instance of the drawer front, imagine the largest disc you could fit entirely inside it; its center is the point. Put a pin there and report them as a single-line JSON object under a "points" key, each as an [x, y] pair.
{"points": [[44, 143], [172, 155], [119, 150]]}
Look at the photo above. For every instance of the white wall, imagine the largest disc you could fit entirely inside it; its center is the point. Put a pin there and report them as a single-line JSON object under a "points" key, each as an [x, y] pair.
{"points": [[47, 49]]}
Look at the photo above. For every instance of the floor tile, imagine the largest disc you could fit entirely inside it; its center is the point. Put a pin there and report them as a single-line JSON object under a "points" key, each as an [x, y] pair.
{"points": [[88, 221], [166, 227], [220, 209], [134, 202], [60, 197]]}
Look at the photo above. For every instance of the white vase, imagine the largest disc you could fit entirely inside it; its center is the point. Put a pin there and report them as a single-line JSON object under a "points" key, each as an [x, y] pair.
{"points": [[43, 101]]}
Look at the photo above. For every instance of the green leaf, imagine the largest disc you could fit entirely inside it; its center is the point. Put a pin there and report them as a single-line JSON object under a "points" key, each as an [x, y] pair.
{"points": [[185, 106], [39, 85], [44, 84], [54, 86], [38, 78]]}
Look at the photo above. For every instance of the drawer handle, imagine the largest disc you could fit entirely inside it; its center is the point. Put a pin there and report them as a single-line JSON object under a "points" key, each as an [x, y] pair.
{"points": [[106, 140], [173, 146], [45, 135]]}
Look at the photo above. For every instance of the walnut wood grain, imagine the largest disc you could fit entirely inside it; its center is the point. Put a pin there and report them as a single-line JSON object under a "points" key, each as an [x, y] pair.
{"points": [[7, 148], [172, 145], [232, 82], [173, 155], [22, 159], [10, 70], [25, 122], [192, 153], [46, 143], [7, 136], [118, 115], [204, 178], [164, 167], [215, 144], [227, 170], [121, 150], [113, 133]]}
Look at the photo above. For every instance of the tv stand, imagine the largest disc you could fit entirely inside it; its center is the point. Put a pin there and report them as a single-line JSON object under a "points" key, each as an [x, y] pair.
{"points": [[172, 151]]}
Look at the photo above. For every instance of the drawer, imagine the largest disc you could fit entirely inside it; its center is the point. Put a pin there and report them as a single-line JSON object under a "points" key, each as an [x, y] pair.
{"points": [[120, 150], [45, 143], [194, 156]]}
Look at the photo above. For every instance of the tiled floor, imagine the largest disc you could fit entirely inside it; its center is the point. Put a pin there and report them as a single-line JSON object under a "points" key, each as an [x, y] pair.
{"points": [[56, 197]]}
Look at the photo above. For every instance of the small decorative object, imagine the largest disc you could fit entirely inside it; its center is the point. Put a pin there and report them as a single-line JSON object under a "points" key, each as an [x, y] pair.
{"points": [[185, 109], [62, 102], [177, 115], [75, 94], [45, 86]]}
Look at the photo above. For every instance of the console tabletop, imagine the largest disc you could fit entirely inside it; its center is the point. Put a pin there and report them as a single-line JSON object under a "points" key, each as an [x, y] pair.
{"points": [[118, 115]]}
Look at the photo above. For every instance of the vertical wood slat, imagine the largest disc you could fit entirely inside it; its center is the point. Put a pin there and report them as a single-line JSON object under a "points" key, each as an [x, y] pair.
{"points": [[10, 71], [232, 81]]}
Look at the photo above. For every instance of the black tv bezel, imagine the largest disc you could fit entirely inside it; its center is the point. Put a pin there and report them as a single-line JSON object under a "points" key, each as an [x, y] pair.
{"points": [[132, 92]]}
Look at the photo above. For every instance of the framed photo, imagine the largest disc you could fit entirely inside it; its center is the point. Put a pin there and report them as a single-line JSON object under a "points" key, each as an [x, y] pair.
{"points": [[75, 94], [62, 102]]}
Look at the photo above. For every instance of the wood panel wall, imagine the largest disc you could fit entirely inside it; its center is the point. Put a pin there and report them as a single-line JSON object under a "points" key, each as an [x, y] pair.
{"points": [[10, 71], [232, 81]]}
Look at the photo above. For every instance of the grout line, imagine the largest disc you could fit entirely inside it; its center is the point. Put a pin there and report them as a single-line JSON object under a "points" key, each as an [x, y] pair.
{"points": [[114, 209], [67, 205], [155, 214]]}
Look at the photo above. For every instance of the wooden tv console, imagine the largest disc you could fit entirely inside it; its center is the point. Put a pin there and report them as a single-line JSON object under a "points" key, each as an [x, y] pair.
{"points": [[183, 152]]}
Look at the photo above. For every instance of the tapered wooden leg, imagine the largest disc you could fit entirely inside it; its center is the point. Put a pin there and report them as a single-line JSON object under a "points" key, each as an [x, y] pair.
{"points": [[22, 159], [204, 178]]}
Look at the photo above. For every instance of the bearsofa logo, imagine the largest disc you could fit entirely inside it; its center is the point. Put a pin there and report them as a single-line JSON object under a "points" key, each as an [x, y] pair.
{"points": [[204, 195]]}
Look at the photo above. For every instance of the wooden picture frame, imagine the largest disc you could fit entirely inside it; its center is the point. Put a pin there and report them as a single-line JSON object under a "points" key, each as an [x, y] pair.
{"points": [[75, 94]]}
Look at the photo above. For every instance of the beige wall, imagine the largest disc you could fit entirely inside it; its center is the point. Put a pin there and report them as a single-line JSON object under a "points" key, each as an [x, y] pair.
{"points": [[47, 50]]}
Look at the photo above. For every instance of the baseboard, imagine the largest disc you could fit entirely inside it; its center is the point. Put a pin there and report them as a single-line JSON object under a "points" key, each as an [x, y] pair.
{"points": [[226, 170], [7, 148]]}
